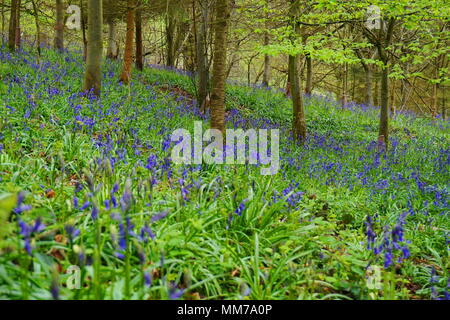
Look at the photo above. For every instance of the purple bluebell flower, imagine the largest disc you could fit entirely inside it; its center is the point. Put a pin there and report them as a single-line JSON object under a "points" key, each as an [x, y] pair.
{"points": [[160, 216], [148, 279]]}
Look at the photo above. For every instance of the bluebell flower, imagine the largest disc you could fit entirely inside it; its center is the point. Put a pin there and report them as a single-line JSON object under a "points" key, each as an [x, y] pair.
{"points": [[148, 279], [160, 216]]}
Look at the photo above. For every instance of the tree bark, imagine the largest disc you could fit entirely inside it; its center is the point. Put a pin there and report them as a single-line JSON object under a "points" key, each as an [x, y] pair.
{"points": [[219, 67], [83, 30], [170, 37], [309, 75], [113, 50], [139, 48], [384, 95], [59, 27], [93, 75], [129, 43], [369, 85], [267, 60], [38, 27], [3, 22], [13, 25], [344, 98], [18, 31], [299, 122], [202, 57]]}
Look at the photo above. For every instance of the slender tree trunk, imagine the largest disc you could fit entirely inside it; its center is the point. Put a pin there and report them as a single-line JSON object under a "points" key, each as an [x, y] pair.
{"points": [[139, 48], [3, 22], [129, 43], [444, 102], [83, 30], [392, 99], [267, 69], [113, 50], [38, 27], [59, 27], [435, 92], [18, 29], [267, 60], [299, 121], [202, 57], [383, 136], [170, 37], [369, 85], [384, 116], [93, 76], [344, 99], [309, 75], [189, 56], [376, 97], [435, 100], [13, 25], [219, 67]]}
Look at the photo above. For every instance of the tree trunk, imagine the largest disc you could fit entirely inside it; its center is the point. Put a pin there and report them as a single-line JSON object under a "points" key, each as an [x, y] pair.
{"points": [[392, 99], [18, 31], [267, 66], [170, 38], [435, 92], [344, 99], [38, 27], [93, 76], [139, 48], [383, 136], [219, 67], [3, 22], [129, 43], [435, 100], [113, 50], [13, 25], [83, 30], [202, 58], [59, 27], [369, 85], [309, 75], [189, 52], [299, 122], [444, 102]]}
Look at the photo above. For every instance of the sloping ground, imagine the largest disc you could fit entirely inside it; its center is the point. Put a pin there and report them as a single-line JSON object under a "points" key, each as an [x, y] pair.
{"points": [[98, 190]]}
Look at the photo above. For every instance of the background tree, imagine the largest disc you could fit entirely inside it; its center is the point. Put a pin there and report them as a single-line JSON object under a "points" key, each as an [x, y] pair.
{"points": [[93, 75], [59, 26], [125, 77]]}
